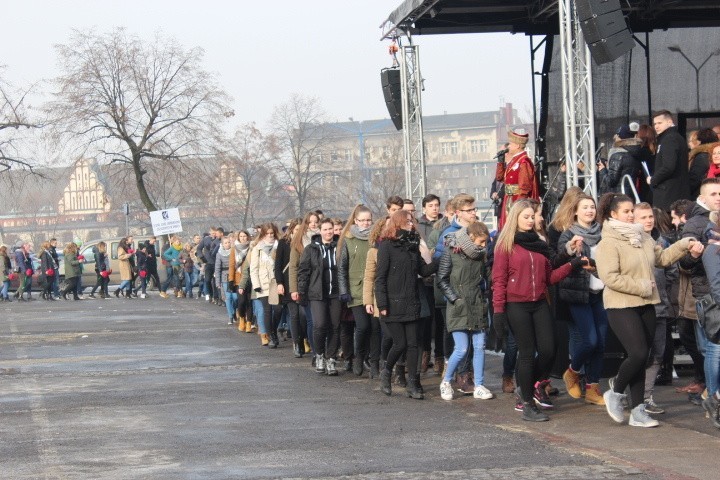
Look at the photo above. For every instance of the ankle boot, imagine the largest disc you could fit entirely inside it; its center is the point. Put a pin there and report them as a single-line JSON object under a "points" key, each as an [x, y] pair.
{"points": [[274, 341], [385, 386], [413, 390], [241, 323], [374, 369], [296, 350], [425, 362], [264, 339], [400, 375]]}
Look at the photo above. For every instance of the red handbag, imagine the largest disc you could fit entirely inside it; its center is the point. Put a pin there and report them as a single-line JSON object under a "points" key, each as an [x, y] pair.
{"points": [[104, 274], [143, 273], [12, 276], [28, 272], [50, 272]]}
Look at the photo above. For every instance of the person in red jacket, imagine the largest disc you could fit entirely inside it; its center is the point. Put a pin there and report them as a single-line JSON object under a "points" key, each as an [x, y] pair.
{"points": [[522, 271], [517, 172]]}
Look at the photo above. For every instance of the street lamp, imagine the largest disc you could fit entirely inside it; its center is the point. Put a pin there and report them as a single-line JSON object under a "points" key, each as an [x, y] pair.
{"points": [[675, 48]]}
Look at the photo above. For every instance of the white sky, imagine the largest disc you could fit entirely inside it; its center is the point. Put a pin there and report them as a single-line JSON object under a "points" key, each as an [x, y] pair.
{"points": [[263, 50]]}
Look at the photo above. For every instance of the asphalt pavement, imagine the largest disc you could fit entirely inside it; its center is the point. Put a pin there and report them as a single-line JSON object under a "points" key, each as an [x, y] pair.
{"points": [[157, 388]]}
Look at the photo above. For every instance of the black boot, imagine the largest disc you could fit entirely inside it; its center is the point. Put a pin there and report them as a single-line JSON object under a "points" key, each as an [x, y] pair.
{"points": [[400, 375], [374, 369], [274, 341], [385, 386], [532, 414], [296, 350], [358, 366], [117, 293], [412, 389]]}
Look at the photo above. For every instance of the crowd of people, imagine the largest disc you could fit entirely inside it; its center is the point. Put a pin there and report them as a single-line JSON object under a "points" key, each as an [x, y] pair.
{"points": [[402, 295]]}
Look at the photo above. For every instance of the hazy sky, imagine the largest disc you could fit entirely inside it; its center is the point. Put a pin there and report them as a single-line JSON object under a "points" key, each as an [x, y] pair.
{"points": [[263, 50]]}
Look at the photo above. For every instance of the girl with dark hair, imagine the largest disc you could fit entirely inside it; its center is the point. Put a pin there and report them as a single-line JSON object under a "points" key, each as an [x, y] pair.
{"points": [[353, 248], [282, 277], [308, 228], [125, 268], [522, 270], [102, 270], [317, 281], [626, 257], [369, 296], [398, 265]]}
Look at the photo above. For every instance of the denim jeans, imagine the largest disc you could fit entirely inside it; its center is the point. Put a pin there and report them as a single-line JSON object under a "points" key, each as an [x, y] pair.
{"points": [[124, 284], [190, 279], [5, 289], [230, 300], [259, 312], [171, 278], [711, 351], [460, 350], [591, 323]]}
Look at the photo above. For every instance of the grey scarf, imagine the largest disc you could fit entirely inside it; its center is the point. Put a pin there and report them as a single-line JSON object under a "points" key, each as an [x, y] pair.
{"points": [[591, 236], [464, 244], [359, 233]]}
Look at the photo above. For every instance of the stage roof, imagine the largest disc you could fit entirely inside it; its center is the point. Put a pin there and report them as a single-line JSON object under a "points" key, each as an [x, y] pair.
{"points": [[538, 17]]}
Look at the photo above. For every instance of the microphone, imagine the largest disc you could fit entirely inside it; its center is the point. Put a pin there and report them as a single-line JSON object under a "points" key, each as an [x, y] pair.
{"points": [[502, 152]]}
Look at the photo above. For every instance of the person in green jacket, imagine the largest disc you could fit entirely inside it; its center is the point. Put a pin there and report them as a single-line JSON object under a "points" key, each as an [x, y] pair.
{"points": [[461, 273], [72, 270]]}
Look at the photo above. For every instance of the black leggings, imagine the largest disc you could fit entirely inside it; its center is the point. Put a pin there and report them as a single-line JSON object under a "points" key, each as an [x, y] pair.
{"points": [[635, 328], [326, 326], [686, 330], [532, 326], [404, 340], [296, 330], [367, 334]]}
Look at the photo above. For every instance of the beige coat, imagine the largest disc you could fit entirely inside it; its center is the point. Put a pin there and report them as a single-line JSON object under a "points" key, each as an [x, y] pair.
{"points": [[369, 280], [125, 268], [628, 272], [262, 274]]}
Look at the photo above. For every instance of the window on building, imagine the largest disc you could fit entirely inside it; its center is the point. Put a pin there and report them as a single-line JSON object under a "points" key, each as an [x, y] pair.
{"points": [[333, 156], [484, 170], [478, 146], [348, 155], [456, 172], [486, 193], [449, 148], [475, 170], [386, 151]]}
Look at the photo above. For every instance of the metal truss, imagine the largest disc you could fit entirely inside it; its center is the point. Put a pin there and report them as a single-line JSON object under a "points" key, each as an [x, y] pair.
{"points": [[578, 112], [413, 142]]}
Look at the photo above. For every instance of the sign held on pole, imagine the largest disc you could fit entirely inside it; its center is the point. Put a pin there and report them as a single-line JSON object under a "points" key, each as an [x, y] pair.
{"points": [[165, 222]]}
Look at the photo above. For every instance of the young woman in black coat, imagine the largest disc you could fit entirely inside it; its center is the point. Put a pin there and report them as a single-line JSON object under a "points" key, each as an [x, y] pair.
{"points": [[398, 265]]}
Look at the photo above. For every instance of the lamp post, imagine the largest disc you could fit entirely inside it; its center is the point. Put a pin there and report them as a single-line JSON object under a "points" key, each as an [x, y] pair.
{"points": [[675, 48]]}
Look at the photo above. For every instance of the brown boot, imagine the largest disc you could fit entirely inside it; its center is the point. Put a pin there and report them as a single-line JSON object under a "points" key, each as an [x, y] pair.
{"points": [[424, 362], [572, 383], [264, 339], [508, 386], [241, 323], [593, 394], [439, 365]]}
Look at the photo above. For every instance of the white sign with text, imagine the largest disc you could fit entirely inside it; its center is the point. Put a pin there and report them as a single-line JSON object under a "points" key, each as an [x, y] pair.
{"points": [[166, 221]]}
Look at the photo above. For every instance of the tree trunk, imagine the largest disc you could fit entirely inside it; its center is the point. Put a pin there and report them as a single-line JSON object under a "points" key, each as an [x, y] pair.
{"points": [[140, 183]]}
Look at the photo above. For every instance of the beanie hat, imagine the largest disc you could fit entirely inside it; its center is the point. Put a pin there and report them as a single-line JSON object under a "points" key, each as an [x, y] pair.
{"points": [[624, 132], [634, 127], [519, 136]]}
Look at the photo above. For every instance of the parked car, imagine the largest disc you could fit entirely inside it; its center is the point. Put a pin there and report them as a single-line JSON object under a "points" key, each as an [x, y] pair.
{"points": [[87, 251]]}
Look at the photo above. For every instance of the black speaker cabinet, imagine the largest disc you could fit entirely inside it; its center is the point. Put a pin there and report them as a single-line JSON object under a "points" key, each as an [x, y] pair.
{"points": [[611, 48], [604, 26], [390, 80], [594, 8]]}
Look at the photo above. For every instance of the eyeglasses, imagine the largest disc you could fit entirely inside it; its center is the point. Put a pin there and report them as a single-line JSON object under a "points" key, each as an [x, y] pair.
{"points": [[468, 210]]}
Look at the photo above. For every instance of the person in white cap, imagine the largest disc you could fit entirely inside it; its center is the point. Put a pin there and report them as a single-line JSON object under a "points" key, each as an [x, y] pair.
{"points": [[518, 174]]}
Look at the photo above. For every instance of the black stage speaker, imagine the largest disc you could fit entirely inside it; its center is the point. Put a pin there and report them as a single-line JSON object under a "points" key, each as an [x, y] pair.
{"points": [[609, 49], [594, 8], [390, 79], [604, 28]]}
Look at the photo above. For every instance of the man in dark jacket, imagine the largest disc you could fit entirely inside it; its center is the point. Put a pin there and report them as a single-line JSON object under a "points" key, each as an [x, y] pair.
{"points": [[431, 214], [669, 181], [56, 258], [624, 160]]}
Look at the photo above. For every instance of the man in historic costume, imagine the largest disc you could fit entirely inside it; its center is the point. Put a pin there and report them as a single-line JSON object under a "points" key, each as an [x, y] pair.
{"points": [[517, 172]]}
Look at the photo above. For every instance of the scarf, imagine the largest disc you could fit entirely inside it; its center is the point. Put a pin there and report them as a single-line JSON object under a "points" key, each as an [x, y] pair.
{"points": [[241, 250], [307, 238], [632, 231], [222, 252], [591, 235], [360, 233], [464, 244], [408, 239], [531, 241], [267, 247]]}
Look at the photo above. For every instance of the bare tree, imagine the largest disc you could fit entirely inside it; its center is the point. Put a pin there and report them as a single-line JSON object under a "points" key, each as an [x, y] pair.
{"points": [[147, 106], [387, 173], [300, 129], [13, 117]]}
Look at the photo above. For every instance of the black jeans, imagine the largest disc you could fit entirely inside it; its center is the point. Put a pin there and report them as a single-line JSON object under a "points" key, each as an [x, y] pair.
{"points": [[271, 315], [152, 273], [367, 334], [404, 341], [347, 337], [532, 326], [71, 287], [209, 284], [635, 328], [243, 306], [326, 326], [296, 329], [686, 331]]}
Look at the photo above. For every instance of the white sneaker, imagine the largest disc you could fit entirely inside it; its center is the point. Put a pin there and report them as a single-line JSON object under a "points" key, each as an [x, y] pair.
{"points": [[482, 393], [207, 298], [446, 391], [142, 295], [640, 418]]}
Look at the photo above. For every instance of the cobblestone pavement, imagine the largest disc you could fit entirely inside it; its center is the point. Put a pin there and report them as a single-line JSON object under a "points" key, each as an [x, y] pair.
{"points": [[164, 389]]}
